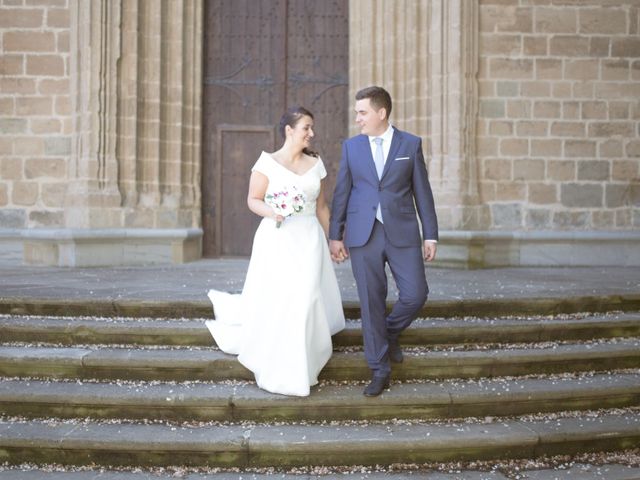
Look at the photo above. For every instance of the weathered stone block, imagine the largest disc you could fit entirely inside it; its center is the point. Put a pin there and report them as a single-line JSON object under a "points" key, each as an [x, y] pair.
{"points": [[497, 169], [594, 170], [599, 47], [546, 109], [580, 148], [608, 129], [58, 18], [569, 46], [505, 45], [53, 86], [538, 218], [514, 147], [546, 148], [623, 170], [619, 110], [554, 20], [571, 110], [582, 69], [536, 88], [41, 126], [616, 69], [603, 21], [610, 149], [17, 86], [19, 18], [633, 148], [507, 215], [26, 106], [594, 110], [519, 108], [561, 170], [511, 191], [13, 125], [529, 169], [561, 89], [11, 168], [568, 129], [548, 69], [46, 218], [501, 128], [46, 65], [570, 219], [11, 64], [507, 89], [53, 194], [492, 108], [4, 194], [24, 193], [617, 90], [532, 128], [543, 193], [625, 47], [506, 19], [584, 89], [487, 147], [29, 41], [581, 195], [623, 218], [12, 218], [45, 167], [511, 68], [617, 195], [535, 45], [57, 146], [602, 219], [28, 146]]}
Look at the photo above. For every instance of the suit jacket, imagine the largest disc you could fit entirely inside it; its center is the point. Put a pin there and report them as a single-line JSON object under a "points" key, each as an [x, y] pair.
{"points": [[403, 189]]}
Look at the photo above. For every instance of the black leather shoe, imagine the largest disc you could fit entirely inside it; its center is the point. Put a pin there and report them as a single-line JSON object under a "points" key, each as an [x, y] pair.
{"points": [[376, 386], [395, 352]]}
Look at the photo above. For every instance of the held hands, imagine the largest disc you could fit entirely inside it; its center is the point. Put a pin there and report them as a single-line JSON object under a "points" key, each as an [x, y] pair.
{"points": [[429, 250], [338, 251]]}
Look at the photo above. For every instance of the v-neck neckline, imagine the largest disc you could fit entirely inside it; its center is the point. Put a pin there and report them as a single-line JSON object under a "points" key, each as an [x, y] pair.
{"points": [[291, 171]]}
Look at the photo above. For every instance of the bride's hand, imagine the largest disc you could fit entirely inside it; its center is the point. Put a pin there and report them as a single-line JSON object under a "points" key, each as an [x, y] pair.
{"points": [[338, 251]]}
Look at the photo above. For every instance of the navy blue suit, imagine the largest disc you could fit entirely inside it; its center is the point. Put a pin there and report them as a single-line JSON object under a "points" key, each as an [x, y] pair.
{"points": [[402, 191]]}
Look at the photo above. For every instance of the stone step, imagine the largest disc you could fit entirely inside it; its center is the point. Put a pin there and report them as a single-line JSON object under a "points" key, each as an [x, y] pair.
{"points": [[246, 402], [245, 446], [181, 364], [70, 331], [570, 471], [494, 306]]}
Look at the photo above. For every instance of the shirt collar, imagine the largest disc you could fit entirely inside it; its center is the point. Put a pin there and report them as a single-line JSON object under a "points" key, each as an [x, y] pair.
{"points": [[386, 136]]}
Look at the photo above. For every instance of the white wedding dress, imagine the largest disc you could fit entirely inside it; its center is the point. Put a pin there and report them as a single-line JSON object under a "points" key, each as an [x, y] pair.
{"points": [[280, 326]]}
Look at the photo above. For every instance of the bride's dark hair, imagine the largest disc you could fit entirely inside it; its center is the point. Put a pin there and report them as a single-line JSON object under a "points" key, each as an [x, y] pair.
{"points": [[291, 117]]}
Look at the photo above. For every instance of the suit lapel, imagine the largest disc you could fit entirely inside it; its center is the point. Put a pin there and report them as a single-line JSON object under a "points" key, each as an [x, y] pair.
{"points": [[396, 141]]}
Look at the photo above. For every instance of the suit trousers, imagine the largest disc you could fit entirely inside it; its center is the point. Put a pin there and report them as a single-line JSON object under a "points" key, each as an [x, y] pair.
{"points": [[368, 263]]}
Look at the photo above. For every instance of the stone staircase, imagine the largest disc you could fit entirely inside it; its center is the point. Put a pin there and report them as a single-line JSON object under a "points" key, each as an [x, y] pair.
{"points": [[154, 392]]}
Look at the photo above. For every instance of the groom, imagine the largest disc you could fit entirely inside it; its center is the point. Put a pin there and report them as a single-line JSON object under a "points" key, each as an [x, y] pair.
{"points": [[381, 182]]}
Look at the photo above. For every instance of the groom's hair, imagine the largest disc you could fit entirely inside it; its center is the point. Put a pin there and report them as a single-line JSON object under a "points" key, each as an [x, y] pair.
{"points": [[378, 97]]}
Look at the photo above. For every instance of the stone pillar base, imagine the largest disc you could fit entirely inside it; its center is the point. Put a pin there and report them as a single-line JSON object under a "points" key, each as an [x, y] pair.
{"points": [[484, 249], [110, 247]]}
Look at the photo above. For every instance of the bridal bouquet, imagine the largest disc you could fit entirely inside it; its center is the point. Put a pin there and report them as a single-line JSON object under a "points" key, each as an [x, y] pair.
{"points": [[286, 202]]}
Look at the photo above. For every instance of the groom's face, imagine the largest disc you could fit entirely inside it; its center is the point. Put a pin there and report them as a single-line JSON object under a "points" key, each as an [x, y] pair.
{"points": [[372, 122]]}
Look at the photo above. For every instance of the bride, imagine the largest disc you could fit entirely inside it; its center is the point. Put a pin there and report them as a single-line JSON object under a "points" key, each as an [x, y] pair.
{"points": [[280, 326]]}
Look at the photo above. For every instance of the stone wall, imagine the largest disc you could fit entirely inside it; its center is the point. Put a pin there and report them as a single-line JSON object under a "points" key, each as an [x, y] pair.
{"points": [[559, 114], [100, 105], [35, 121]]}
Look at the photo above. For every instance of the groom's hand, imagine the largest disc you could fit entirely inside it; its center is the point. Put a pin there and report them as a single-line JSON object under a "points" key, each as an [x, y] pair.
{"points": [[429, 250], [338, 251]]}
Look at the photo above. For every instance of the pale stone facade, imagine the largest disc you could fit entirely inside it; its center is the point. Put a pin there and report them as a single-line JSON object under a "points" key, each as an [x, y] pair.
{"points": [[529, 110], [100, 130]]}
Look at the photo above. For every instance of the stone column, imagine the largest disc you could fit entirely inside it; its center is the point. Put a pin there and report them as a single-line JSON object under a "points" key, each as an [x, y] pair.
{"points": [[134, 189]]}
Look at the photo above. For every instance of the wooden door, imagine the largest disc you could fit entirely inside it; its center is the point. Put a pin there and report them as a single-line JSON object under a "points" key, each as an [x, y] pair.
{"points": [[260, 58]]}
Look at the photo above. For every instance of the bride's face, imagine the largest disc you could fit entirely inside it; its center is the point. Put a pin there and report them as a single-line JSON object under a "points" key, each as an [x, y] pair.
{"points": [[302, 132]]}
